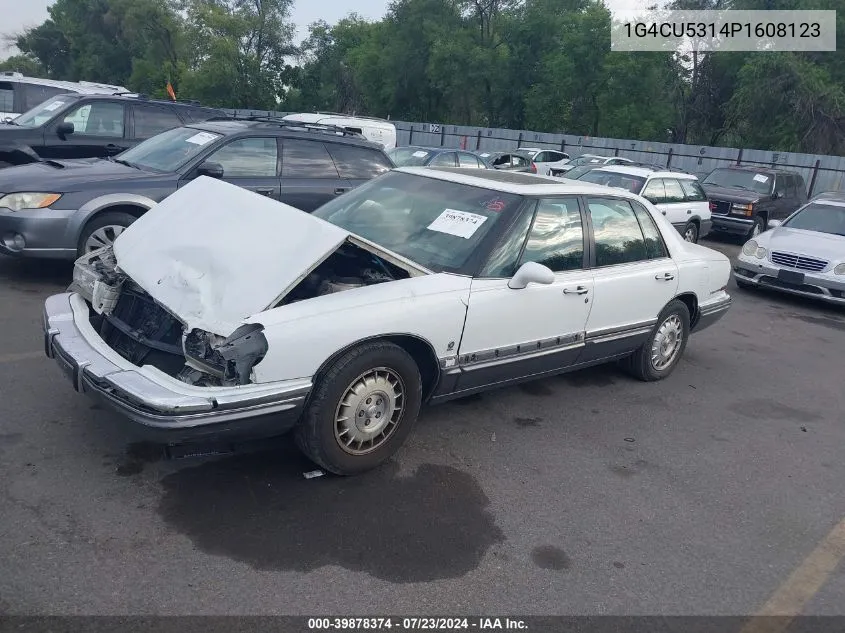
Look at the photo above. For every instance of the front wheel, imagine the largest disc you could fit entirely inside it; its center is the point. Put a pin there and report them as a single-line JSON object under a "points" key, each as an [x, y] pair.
{"points": [[660, 354], [102, 231], [362, 410]]}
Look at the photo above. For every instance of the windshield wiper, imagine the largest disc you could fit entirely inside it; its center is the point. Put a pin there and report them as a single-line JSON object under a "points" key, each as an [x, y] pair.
{"points": [[9, 121]]}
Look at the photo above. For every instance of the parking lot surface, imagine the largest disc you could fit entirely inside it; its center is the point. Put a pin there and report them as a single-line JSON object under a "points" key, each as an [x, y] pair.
{"points": [[590, 493]]}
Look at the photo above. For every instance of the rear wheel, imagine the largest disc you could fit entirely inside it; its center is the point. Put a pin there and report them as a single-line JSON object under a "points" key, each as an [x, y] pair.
{"points": [[660, 354], [362, 410], [103, 231], [691, 232]]}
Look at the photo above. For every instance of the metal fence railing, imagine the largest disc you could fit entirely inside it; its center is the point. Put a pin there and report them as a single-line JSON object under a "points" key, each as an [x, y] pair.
{"points": [[820, 172]]}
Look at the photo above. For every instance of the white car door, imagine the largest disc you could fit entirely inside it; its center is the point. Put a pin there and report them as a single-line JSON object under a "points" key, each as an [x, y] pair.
{"points": [[534, 330], [634, 277]]}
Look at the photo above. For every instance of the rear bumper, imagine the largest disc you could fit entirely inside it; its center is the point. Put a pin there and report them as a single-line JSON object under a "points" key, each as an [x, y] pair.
{"points": [[160, 407], [762, 273], [712, 310]]}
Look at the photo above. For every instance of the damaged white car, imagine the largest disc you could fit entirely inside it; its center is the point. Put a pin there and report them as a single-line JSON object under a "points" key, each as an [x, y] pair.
{"points": [[223, 314]]}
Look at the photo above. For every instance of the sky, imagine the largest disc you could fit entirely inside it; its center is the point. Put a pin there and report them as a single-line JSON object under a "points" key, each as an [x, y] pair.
{"points": [[22, 14]]}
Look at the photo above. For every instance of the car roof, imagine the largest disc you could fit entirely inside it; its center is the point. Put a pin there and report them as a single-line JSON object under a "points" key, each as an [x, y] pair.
{"points": [[834, 198], [759, 170], [228, 126], [645, 172], [77, 87], [428, 149], [518, 183]]}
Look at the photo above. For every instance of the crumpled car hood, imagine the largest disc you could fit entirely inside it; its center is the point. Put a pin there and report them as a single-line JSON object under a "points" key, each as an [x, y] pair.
{"points": [[213, 254]]}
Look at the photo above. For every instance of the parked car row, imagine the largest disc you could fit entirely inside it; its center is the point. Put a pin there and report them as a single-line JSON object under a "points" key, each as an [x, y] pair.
{"points": [[19, 94]]}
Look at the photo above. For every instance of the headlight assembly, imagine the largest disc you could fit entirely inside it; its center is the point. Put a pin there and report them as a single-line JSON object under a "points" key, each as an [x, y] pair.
{"points": [[19, 201], [839, 270], [750, 248]]}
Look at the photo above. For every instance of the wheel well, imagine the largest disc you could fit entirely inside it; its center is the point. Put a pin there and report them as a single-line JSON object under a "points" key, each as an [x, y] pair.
{"points": [[763, 214], [691, 302], [419, 349], [131, 209]]}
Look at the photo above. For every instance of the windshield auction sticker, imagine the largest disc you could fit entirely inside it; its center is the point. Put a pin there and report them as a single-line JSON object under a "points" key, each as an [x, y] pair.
{"points": [[458, 223], [724, 31]]}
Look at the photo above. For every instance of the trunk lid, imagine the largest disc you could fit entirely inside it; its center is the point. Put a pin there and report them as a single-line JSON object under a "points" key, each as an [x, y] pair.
{"points": [[213, 254]]}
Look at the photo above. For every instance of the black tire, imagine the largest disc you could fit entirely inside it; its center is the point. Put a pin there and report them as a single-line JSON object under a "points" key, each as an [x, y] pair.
{"points": [[109, 218], [690, 233], [640, 364], [759, 226], [316, 434]]}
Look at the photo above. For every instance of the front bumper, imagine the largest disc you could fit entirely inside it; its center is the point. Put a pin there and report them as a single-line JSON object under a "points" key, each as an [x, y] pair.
{"points": [[163, 408], [712, 310], [732, 224], [764, 274], [43, 233]]}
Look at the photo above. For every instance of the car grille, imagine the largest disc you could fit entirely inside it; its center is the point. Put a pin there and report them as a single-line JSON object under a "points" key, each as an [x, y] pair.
{"points": [[720, 207], [799, 262]]}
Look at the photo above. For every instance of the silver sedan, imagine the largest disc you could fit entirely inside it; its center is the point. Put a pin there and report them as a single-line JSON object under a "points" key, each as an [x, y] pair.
{"points": [[804, 255]]}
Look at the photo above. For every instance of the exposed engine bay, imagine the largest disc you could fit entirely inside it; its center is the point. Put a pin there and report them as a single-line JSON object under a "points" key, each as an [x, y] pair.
{"points": [[350, 266], [143, 332]]}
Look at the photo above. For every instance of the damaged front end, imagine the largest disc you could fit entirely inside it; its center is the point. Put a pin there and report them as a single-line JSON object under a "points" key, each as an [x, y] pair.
{"points": [[143, 332]]}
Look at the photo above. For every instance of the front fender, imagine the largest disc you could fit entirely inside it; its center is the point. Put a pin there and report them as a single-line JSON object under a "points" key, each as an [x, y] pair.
{"points": [[117, 199], [303, 336]]}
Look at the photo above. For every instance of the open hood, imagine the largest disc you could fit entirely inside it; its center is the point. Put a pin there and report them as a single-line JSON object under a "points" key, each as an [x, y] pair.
{"points": [[214, 254]]}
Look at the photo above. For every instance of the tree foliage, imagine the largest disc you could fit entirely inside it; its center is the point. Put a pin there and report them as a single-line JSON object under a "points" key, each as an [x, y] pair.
{"points": [[538, 64]]}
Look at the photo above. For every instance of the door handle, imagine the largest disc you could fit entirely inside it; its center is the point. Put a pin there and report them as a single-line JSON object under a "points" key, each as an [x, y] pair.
{"points": [[265, 192], [689, 211], [580, 290], [340, 190], [664, 213], [665, 277]]}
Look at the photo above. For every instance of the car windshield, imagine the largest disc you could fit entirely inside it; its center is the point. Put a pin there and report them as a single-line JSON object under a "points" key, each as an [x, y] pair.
{"points": [[824, 218], [618, 180], [740, 179], [43, 112], [586, 159], [435, 223], [169, 150], [578, 172], [409, 156]]}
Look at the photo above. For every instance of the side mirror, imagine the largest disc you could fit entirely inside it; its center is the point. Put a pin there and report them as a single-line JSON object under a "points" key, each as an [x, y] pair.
{"points": [[773, 224], [531, 272], [777, 195], [64, 129], [212, 170]]}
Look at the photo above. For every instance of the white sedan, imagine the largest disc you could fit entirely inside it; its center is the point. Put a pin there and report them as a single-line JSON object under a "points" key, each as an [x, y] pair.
{"points": [[804, 255], [221, 313]]}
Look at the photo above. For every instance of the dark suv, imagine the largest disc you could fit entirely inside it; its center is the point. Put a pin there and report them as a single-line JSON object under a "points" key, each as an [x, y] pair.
{"points": [[63, 209], [91, 126], [744, 199]]}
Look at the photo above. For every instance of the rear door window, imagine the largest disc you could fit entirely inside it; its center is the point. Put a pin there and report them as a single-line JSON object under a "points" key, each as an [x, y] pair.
{"points": [[358, 163], [306, 159], [151, 120], [468, 160], [674, 192]]}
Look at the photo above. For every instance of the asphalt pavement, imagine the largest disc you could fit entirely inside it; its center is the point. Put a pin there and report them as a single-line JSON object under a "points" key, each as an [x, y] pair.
{"points": [[590, 493]]}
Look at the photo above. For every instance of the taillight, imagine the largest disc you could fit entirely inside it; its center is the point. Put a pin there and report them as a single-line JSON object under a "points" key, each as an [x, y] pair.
{"points": [[533, 168]]}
